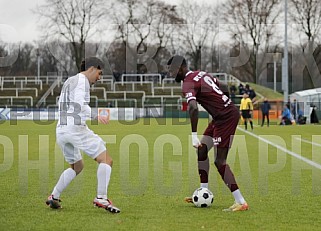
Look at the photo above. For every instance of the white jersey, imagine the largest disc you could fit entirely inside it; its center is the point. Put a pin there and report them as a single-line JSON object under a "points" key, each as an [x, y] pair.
{"points": [[74, 101]]}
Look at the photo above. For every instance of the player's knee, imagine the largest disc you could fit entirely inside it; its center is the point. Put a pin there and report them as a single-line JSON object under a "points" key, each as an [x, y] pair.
{"points": [[110, 162], [219, 163], [105, 158], [78, 167], [202, 152], [78, 170]]}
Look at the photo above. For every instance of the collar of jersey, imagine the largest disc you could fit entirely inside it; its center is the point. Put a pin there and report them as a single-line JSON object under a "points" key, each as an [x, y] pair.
{"points": [[83, 76], [188, 73]]}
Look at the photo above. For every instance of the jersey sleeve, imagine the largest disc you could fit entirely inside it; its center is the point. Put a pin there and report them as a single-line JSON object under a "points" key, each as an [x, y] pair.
{"points": [[190, 89]]}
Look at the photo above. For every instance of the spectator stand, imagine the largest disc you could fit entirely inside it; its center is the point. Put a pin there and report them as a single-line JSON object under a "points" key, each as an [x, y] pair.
{"points": [[19, 91]]}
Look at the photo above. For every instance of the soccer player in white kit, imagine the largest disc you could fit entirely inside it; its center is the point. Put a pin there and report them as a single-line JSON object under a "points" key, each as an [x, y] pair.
{"points": [[74, 136]]}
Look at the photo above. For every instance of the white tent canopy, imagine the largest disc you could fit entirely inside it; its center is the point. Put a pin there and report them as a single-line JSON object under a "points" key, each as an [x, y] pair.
{"points": [[306, 98], [310, 95]]}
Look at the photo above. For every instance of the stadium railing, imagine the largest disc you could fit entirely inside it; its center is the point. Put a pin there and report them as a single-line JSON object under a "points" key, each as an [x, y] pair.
{"points": [[50, 90], [98, 91], [168, 90], [167, 81], [147, 86], [141, 78], [131, 87], [17, 91], [160, 100], [121, 103], [106, 81], [19, 82], [16, 100]]}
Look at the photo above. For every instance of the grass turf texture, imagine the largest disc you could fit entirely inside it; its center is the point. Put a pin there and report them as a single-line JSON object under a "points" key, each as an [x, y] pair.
{"points": [[151, 177]]}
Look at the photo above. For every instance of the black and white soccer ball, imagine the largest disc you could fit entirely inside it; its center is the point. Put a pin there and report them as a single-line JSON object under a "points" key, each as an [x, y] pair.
{"points": [[203, 197]]}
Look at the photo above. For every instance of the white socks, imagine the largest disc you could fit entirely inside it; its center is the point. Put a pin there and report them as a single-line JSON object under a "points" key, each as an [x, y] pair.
{"points": [[65, 178], [103, 177], [238, 197]]}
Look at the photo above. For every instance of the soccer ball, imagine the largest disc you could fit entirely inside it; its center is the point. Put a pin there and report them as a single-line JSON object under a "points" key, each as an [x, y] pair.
{"points": [[202, 197]]}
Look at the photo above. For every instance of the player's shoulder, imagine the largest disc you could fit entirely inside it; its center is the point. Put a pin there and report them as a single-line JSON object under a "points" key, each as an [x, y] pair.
{"points": [[248, 100], [76, 82], [197, 75], [191, 74]]}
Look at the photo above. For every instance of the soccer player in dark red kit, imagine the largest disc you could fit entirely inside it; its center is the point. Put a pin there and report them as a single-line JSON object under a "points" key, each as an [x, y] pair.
{"points": [[200, 87]]}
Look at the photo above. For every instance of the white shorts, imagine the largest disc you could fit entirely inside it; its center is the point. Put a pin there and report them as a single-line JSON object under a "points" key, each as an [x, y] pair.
{"points": [[73, 139]]}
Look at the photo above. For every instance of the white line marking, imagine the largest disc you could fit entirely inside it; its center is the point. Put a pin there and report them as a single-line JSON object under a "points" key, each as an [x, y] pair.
{"points": [[295, 155], [308, 141]]}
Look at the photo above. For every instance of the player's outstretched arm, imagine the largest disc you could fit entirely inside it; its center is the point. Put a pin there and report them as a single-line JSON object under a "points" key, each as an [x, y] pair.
{"points": [[193, 112]]}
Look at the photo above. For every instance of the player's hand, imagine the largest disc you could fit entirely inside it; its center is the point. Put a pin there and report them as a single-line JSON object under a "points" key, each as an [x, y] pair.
{"points": [[103, 119], [195, 141]]}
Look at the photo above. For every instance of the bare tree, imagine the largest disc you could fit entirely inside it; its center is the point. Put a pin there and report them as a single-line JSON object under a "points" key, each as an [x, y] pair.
{"points": [[254, 21], [200, 30], [306, 15], [144, 26], [74, 21], [54, 59], [9, 53], [24, 63]]}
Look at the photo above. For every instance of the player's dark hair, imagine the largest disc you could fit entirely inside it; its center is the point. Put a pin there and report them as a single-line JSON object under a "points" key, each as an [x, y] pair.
{"points": [[91, 62], [177, 60]]}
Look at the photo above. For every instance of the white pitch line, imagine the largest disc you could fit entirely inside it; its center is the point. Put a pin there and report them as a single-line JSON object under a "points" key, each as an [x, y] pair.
{"points": [[308, 141], [295, 155]]}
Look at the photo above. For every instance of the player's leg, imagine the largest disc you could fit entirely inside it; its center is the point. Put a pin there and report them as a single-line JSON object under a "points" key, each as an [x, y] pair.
{"points": [[224, 169], [203, 167], [203, 163], [105, 163], [245, 123], [65, 178], [103, 173], [202, 158], [245, 117], [250, 119], [229, 179], [223, 134], [268, 119], [263, 117], [73, 157], [95, 147]]}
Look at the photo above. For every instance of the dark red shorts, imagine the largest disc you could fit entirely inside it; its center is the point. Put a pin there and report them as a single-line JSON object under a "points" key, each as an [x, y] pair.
{"points": [[222, 132]]}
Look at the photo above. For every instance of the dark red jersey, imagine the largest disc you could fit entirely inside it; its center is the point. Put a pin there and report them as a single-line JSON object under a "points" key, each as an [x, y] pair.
{"points": [[205, 89]]}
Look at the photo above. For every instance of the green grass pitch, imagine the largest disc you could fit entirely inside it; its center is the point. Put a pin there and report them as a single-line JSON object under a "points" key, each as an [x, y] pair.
{"points": [[154, 169]]}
